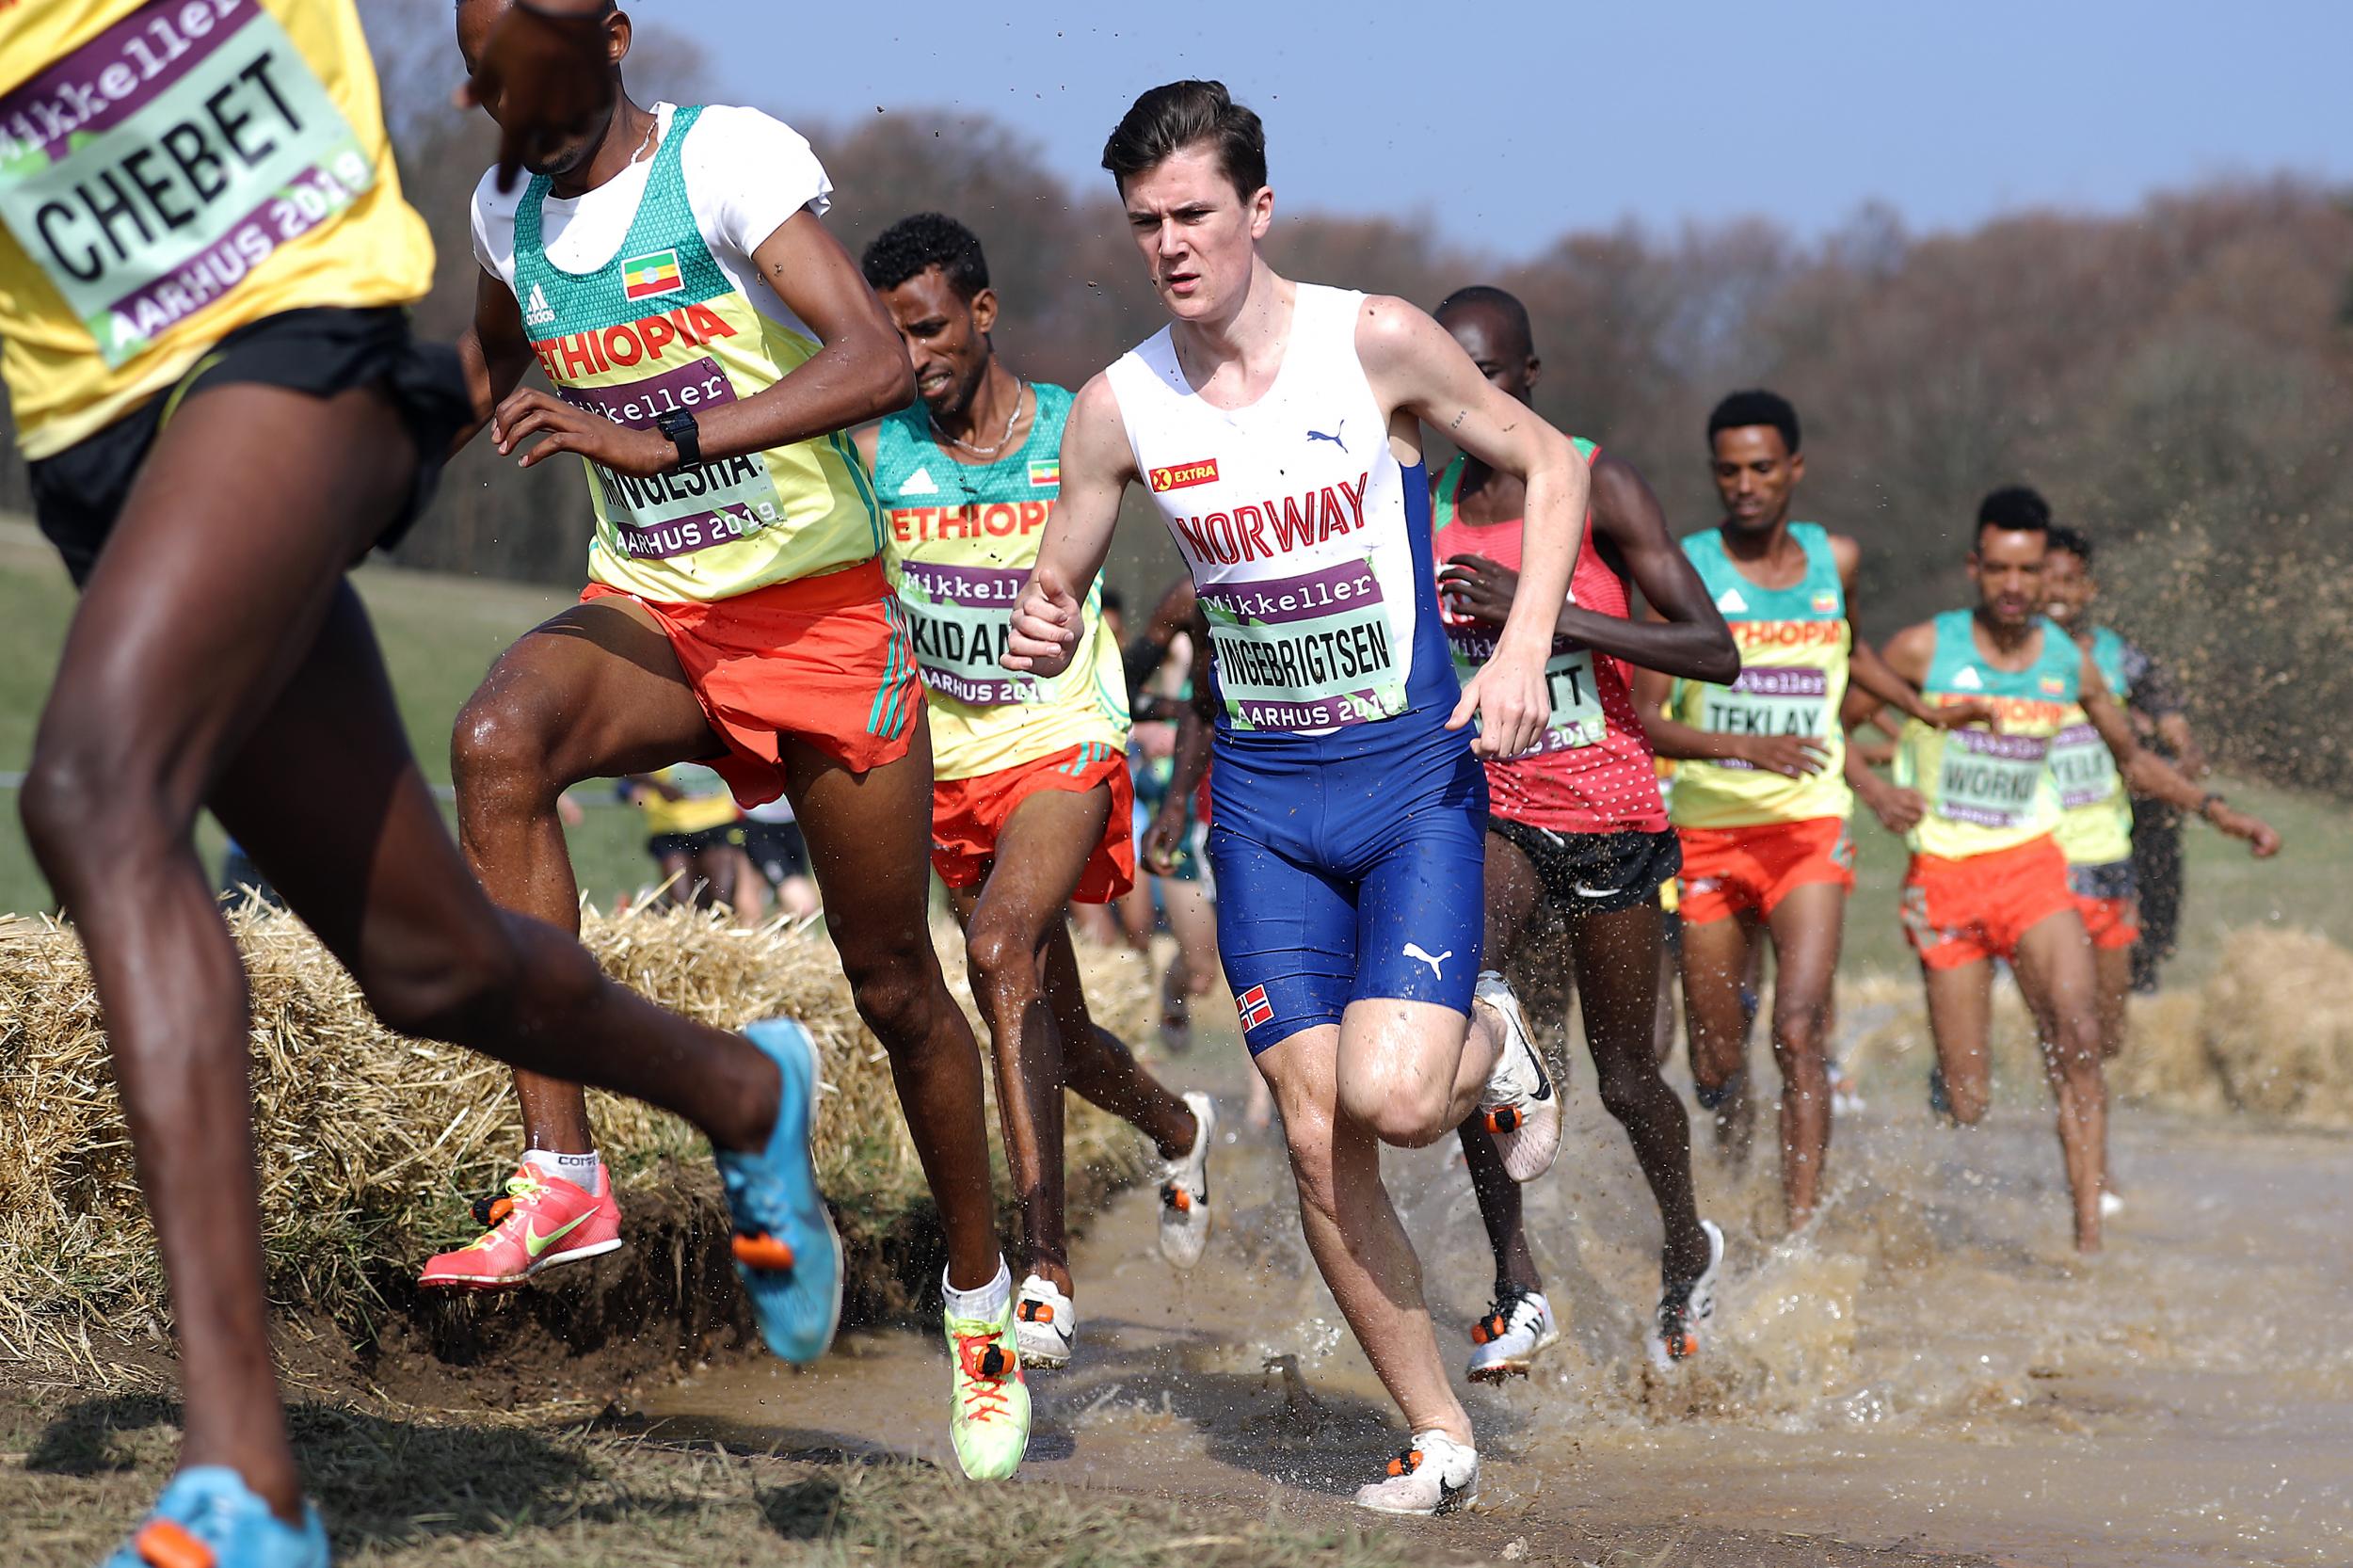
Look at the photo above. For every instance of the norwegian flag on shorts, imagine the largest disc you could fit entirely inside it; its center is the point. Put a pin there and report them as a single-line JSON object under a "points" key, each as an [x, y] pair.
{"points": [[1254, 1007]]}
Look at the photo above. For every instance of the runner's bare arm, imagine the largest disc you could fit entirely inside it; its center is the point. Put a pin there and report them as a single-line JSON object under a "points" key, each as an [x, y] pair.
{"points": [[1685, 635], [860, 374], [1194, 730], [1866, 669], [1097, 464], [1415, 367], [1898, 809], [2147, 773], [867, 438], [1791, 756], [494, 352]]}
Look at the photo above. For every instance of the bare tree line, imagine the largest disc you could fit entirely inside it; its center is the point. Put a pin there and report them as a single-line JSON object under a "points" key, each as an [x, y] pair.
{"points": [[2176, 380]]}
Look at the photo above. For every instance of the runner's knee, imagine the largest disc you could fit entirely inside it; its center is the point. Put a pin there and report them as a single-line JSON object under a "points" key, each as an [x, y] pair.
{"points": [[1005, 958], [893, 992], [463, 991], [1403, 1109], [1627, 1085], [499, 752], [89, 800]]}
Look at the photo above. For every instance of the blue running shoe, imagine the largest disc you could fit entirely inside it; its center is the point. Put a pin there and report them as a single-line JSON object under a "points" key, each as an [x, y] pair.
{"points": [[209, 1518], [786, 1251]]}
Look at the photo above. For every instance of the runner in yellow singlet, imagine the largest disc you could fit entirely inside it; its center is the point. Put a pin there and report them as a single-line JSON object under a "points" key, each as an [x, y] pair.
{"points": [[1977, 808], [711, 344], [1760, 801], [204, 261], [1032, 807]]}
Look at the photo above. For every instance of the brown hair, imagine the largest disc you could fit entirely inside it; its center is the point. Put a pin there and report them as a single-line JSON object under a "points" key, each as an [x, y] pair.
{"points": [[1169, 119]]}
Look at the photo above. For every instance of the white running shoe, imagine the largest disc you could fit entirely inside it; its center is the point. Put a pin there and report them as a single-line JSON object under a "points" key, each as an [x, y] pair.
{"points": [[1519, 1109], [1185, 1190], [1507, 1339], [1434, 1474], [1845, 1099], [1685, 1307], [1045, 1325]]}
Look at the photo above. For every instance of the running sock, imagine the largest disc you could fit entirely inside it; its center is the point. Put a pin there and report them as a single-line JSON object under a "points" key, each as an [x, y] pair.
{"points": [[581, 1170], [985, 1305]]}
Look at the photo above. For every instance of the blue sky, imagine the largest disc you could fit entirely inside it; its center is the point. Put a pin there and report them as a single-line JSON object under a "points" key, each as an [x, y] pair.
{"points": [[1574, 116]]}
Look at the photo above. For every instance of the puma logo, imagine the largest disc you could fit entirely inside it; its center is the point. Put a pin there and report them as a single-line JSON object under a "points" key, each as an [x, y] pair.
{"points": [[1334, 437], [1415, 951]]}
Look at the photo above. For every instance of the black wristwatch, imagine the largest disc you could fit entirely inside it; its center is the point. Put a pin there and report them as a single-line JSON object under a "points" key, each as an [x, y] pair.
{"points": [[2205, 806], [679, 428]]}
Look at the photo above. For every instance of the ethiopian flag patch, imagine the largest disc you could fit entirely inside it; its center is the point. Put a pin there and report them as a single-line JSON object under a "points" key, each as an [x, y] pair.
{"points": [[1045, 472], [654, 273]]}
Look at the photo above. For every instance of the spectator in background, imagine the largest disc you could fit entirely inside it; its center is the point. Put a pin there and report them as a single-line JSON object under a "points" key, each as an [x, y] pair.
{"points": [[691, 832]]}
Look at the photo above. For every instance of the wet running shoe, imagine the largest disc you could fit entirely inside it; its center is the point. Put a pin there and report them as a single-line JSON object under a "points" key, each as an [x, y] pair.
{"points": [[1434, 1474], [541, 1221], [1506, 1341], [1518, 1108], [209, 1518], [786, 1252], [1845, 1099], [1685, 1305], [988, 1414], [1045, 1326], [1185, 1190]]}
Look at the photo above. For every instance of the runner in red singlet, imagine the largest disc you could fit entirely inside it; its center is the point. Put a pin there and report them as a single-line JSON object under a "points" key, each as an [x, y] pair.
{"points": [[1578, 841]]}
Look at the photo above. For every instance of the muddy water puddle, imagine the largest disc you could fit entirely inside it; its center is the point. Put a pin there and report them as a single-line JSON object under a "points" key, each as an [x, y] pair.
{"points": [[1929, 1364]]}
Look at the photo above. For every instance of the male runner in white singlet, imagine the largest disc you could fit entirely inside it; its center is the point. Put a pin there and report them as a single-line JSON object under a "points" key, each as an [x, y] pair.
{"points": [[1278, 428]]}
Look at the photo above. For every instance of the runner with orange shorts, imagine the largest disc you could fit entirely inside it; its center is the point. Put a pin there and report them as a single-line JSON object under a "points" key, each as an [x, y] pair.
{"points": [[1980, 809], [709, 342], [1033, 805], [1760, 799]]}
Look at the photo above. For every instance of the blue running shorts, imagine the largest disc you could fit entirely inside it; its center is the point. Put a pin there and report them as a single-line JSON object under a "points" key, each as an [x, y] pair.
{"points": [[1348, 866]]}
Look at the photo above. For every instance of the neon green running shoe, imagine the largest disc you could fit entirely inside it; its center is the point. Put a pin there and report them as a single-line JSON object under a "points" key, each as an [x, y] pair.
{"points": [[988, 1412]]}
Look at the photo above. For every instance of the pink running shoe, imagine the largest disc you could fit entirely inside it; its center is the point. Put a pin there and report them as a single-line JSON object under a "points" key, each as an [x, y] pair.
{"points": [[541, 1221]]}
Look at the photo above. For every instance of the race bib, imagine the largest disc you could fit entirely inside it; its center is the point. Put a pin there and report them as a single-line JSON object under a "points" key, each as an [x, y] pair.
{"points": [[1573, 717], [2084, 767], [1989, 781], [1768, 699], [681, 510], [960, 618], [1309, 652], [150, 171]]}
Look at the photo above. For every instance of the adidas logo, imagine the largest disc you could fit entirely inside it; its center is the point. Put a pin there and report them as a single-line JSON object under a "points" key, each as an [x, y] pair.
{"points": [[1731, 604], [537, 310], [919, 483], [1967, 679]]}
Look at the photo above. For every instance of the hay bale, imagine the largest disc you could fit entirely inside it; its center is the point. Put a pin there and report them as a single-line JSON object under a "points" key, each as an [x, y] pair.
{"points": [[2165, 1062], [371, 1144], [2276, 1021]]}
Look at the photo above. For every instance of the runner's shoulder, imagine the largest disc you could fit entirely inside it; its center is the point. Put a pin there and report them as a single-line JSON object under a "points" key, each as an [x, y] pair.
{"points": [[1845, 553], [1913, 649], [1390, 331]]}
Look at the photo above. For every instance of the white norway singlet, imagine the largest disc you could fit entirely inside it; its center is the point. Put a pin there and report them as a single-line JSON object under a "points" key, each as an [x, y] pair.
{"points": [[1308, 542]]}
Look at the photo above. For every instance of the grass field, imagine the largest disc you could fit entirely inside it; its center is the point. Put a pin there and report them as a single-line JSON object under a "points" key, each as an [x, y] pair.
{"points": [[440, 633]]}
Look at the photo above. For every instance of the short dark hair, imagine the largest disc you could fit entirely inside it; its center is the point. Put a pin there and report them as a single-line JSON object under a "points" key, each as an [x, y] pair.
{"points": [[926, 240], [2073, 540], [1757, 407], [1502, 301], [2015, 510], [1171, 118]]}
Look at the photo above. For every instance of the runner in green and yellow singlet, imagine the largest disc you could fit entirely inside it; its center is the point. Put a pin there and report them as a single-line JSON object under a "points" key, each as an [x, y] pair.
{"points": [[1979, 811], [711, 344], [1760, 799], [1032, 807]]}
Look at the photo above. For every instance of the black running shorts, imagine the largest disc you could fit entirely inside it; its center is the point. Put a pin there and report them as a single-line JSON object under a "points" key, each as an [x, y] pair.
{"points": [[79, 493], [1595, 874]]}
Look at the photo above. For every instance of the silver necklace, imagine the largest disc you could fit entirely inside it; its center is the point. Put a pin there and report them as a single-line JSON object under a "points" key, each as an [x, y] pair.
{"points": [[974, 447]]}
